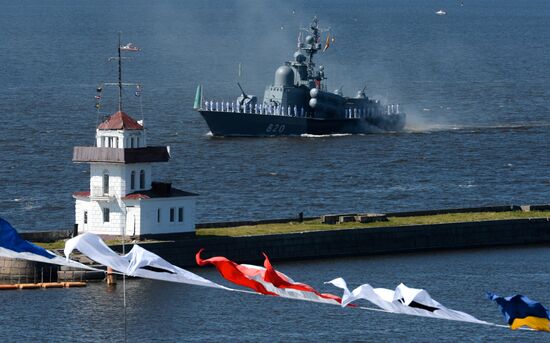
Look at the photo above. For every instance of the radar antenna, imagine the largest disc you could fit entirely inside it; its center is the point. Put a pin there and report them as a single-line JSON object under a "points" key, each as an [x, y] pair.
{"points": [[312, 44]]}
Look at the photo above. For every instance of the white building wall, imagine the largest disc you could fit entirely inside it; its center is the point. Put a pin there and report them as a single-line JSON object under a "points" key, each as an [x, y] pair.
{"points": [[80, 207], [133, 217], [138, 217], [117, 182], [137, 168], [95, 222], [119, 178], [149, 223]]}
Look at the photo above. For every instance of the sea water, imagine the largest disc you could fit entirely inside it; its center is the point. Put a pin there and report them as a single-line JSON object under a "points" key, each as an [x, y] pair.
{"points": [[475, 87]]}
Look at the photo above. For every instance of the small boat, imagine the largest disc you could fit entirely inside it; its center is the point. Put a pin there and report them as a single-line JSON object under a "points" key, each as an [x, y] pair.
{"points": [[441, 12]]}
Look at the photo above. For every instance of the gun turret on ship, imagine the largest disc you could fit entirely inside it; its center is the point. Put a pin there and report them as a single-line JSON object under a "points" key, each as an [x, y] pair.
{"points": [[298, 102]]}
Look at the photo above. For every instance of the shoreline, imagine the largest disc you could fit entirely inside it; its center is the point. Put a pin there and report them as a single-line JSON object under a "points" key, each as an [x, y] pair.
{"points": [[356, 242], [353, 238]]}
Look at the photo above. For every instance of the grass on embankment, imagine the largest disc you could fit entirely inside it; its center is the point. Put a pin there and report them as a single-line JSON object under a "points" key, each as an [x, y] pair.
{"points": [[316, 225], [61, 244]]}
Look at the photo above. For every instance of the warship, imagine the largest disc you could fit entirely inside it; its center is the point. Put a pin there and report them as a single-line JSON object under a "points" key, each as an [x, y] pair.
{"points": [[298, 103]]}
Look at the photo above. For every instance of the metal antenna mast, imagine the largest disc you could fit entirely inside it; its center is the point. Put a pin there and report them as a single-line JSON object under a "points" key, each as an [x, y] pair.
{"points": [[119, 74]]}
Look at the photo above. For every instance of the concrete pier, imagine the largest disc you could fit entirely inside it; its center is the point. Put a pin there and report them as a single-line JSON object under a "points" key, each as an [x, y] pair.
{"points": [[357, 242]]}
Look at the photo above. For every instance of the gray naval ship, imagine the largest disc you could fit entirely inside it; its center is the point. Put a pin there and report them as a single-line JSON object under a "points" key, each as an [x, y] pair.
{"points": [[299, 103]]}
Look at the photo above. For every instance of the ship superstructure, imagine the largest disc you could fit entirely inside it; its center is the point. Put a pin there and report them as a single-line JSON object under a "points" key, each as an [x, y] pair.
{"points": [[298, 102]]}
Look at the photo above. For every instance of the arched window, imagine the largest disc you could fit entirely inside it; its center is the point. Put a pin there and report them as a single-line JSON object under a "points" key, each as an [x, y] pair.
{"points": [[105, 183], [133, 180], [142, 179]]}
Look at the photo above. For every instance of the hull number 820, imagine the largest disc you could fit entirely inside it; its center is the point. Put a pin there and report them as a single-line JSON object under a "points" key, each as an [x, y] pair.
{"points": [[275, 128]]}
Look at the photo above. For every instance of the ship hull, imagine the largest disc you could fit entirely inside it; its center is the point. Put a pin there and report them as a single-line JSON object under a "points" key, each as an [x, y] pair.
{"points": [[229, 124]]}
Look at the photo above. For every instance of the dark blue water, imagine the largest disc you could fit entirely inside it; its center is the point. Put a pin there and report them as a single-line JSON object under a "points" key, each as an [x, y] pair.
{"points": [[475, 85], [164, 312]]}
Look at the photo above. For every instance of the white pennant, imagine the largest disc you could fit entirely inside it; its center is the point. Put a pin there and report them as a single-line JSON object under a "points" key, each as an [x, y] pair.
{"points": [[134, 263], [405, 300]]}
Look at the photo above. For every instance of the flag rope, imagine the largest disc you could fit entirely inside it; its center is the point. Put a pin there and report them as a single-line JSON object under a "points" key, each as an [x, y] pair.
{"points": [[139, 261]]}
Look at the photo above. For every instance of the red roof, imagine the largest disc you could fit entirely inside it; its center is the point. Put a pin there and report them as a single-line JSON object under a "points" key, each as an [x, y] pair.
{"points": [[136, 196], [81, 194], [120, 121], [160, 191]]}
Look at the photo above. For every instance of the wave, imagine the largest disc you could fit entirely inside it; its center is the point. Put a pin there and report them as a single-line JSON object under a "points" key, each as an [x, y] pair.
{"points": [[473, 128], [308, 135]]}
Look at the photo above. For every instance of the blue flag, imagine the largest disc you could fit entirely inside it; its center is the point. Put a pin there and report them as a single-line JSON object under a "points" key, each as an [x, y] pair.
{"points": [[10, 240]]}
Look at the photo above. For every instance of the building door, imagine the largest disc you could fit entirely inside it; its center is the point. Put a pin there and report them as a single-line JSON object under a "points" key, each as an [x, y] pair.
{"points": [[131, 221]]}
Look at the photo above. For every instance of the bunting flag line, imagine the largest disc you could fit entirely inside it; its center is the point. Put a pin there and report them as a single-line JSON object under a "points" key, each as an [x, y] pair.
{"points": [[138, 262], [404, 300], [266, 280], [13, 246], [519, 310]]}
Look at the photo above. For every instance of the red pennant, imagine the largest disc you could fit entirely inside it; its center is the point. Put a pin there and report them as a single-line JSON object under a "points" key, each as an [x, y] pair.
{"points": [[233, 272], [279, 280]]}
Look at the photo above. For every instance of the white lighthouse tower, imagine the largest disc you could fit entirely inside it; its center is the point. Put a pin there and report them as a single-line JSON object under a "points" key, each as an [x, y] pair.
{"points": [[122, 195], [123, 199]]}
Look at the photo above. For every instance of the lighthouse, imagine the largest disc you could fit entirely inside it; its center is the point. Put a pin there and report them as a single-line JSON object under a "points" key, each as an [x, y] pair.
{"points": [[123, 198]]}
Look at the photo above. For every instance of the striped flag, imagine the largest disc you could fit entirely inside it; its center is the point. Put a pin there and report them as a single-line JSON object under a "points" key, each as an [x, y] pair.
{"points": [[266, 280]]}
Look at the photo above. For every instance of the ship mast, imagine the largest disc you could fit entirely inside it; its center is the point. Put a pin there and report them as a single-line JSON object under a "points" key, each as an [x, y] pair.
{"points": [[312, 45], [316, 38]]}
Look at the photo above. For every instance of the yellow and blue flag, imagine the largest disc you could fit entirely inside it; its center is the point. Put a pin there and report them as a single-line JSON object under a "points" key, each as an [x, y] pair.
{"points": [[519, 310]]}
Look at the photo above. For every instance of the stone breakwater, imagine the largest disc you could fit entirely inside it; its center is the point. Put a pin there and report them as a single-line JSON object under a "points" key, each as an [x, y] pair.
{"points": [[357, 242], [13, 271], [181, 249]]}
